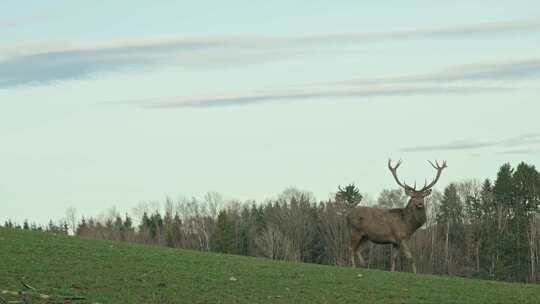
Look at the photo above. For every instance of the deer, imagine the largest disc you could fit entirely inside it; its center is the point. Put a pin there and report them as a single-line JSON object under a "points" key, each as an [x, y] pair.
{"points": [[391, 226]]}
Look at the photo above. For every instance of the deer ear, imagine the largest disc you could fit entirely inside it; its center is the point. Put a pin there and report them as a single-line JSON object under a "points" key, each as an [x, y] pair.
{"points": [[427, 192], [408, 192]]}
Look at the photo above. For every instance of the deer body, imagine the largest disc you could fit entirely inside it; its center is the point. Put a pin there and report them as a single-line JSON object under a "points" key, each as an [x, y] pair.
{"points": [[390, 226], [387, 226]]}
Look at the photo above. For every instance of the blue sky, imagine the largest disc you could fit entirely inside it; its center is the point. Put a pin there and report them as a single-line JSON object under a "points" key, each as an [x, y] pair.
{"points": [[116, 103]]}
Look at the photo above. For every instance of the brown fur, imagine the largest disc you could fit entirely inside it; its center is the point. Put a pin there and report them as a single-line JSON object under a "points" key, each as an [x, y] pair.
{"points": [[386, 226], [390, 226]]}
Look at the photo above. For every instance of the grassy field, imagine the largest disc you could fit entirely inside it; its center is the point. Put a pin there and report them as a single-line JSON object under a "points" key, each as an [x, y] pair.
{"points": [[109, 272]]}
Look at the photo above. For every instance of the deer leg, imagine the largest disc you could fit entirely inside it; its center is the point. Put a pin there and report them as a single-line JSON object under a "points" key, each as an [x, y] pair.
{"points": [[408, 255], [357, 239], [394, 257], [355, 243], [360, 257]]}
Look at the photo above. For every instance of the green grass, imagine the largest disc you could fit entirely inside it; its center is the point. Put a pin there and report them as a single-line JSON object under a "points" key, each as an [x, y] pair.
{"points": [[109, 272]]}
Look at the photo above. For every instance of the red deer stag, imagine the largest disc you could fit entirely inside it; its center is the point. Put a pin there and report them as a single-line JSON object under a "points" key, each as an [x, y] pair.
{"points": [[391, 226]]}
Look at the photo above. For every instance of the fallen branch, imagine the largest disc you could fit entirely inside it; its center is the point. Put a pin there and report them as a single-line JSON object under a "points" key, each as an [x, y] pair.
{"points": [[25, 297], [28, 286]]}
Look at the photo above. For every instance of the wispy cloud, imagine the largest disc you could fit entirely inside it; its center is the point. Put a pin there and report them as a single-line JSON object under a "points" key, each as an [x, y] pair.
{"points": [[487, 71], [258, 97], [47, 63], [76, 63], [521, 151], [28, 20], [458, 31], [518, 144]]}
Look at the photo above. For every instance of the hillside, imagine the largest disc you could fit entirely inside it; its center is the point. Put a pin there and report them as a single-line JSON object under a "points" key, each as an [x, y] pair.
{"points": [[108, 272]]}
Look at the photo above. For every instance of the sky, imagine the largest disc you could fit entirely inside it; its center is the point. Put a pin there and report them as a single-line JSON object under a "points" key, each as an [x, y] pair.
{"points": [[114, 103]]}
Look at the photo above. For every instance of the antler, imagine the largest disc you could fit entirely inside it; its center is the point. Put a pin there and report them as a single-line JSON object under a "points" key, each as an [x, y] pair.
{"points": [[394, 173], [439, 169]]}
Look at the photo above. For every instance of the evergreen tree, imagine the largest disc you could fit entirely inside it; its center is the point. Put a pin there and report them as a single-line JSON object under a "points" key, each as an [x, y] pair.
{"points": [[450, 214], [509, 245], [350, 195], [526, 199], [451, 208], [224, 234], [503, 194], [155, 225], [526, 190], [82, 227]]}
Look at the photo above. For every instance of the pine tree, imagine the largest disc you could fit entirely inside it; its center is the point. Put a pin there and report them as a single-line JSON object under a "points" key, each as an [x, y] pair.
{"points": [[224, 234], [526, 199], [488, 231], [350, 195], [526, 190], [508, 259], [451, 216], [82, 228]]}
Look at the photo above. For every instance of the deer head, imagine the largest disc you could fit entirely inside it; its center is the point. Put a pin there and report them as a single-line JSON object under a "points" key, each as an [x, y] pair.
{"points": [[417, 196]]}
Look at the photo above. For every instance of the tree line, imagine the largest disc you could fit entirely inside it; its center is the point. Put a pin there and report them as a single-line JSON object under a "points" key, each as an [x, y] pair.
{"points": [[484, 229]]}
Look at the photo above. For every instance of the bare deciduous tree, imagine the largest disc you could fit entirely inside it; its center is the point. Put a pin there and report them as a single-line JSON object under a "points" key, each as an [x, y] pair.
{"points": [[71, 218], [334, 232], [275, 245]]}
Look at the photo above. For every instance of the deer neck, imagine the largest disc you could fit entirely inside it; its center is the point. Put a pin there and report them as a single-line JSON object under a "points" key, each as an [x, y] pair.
{"points": [[414, 217]]}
